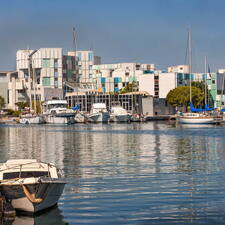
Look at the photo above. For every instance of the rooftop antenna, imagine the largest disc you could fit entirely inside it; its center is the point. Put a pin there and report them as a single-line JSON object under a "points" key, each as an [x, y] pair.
{"points": [[74, 40]]}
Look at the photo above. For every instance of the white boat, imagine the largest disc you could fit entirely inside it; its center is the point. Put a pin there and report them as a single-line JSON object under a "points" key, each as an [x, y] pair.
{"points": [[57, 112], [80, 117], [99, 113], [29, 185], [31, 119], [119, 114], [195, 118]]}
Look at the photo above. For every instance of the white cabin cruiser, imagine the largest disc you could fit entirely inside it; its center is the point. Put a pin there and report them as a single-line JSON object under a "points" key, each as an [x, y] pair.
{"points": [[119, 114], [56, 112], [99, 113], [29, 185]]}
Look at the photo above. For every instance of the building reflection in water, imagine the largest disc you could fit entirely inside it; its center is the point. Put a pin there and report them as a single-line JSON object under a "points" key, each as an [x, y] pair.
{"points": [[174, 165]]}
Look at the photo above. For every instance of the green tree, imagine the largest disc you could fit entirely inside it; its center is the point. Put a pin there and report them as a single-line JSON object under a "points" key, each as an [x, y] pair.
{"points": [[180, 96], [2, 102], [129, 88], [22, 105], [201, 85]]}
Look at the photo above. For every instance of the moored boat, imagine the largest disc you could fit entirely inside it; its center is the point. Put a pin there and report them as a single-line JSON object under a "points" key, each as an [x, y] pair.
{"points": [[99, 113], [195, 118], [29, 185], [31, 119], [56, 112], [119, 114]]}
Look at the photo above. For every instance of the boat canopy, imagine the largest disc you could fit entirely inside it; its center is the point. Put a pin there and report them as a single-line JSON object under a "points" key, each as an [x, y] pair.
{"points": [[207, 108]]}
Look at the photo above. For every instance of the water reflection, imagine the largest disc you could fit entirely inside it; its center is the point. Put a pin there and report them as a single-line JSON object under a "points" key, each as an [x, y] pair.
{"points": [[52, 216], [137, 173]]}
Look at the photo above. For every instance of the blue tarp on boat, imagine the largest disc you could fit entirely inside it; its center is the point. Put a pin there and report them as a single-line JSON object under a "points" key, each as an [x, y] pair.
{"points": [[76, 107], [207, 108]]}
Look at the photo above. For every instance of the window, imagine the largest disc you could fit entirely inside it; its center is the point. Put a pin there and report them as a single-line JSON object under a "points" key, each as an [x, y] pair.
{"points": [[24, 174], [46, 81], [213, 81], [79, 56], [56, 82], [127, 73], [46, 63], [55, 73], [90, 56], [55, 63]]}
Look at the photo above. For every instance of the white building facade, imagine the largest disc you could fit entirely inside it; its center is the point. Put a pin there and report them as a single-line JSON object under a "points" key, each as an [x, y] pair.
{"points": [[113, 77]]}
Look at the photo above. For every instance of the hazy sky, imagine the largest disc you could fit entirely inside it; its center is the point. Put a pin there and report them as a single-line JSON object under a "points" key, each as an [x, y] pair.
{"points": [[146, 31]]}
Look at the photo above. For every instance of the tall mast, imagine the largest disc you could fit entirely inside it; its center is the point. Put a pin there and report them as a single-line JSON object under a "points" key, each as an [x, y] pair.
{"points": [[190, 60], [75, 52], [29, 79], [206, 80]]}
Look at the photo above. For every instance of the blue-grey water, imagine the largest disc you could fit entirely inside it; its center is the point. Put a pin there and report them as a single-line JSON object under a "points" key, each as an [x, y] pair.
{"points": [[138, 173]]}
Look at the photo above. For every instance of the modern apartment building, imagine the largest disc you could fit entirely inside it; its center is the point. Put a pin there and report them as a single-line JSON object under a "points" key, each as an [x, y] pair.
{"points": [[113, 77], [45, 70], [85, 60]]}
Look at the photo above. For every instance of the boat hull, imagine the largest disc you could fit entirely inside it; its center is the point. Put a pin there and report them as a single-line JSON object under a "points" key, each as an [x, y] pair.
{"points": [[31, 120], [59, 120], [101, 117], [200, 120], [49, 191], [120, 118]]}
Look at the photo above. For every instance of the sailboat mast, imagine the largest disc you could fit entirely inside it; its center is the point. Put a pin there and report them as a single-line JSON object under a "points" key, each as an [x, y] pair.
{"points": [[190, 60], [34, 88], [75, 53], [206, 80], [30, 80]]}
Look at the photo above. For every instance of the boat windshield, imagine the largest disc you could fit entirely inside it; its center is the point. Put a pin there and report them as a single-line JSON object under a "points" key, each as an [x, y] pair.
{"points": [[57, 106], [24, 174]]}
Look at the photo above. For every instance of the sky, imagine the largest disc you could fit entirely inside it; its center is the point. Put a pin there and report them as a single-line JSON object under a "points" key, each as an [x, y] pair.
{"points": [[145, 31]]}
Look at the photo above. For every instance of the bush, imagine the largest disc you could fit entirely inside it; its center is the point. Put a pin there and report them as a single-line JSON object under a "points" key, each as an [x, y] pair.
{"points": [[12, 112]]}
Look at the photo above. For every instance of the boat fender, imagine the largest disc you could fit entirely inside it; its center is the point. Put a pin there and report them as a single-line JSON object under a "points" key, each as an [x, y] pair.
{"points": [[31, 197]]}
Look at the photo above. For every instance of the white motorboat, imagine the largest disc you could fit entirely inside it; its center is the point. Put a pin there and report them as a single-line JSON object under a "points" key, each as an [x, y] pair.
{"points": [[99, 113], [29, 185], [57, 112], [195, 118], [80, 117], [31, 119], [119, 114]]}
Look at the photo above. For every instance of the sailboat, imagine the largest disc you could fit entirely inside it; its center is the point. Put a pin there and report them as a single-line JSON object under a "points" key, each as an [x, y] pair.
{"points": [[31, 118], [196, 116]]}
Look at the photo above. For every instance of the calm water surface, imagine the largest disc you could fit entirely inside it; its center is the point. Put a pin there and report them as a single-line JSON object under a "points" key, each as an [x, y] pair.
{"points": [[149, 173]]}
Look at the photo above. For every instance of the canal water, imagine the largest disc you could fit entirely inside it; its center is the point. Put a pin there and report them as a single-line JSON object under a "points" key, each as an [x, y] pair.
{"points": [[138, 173]]}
